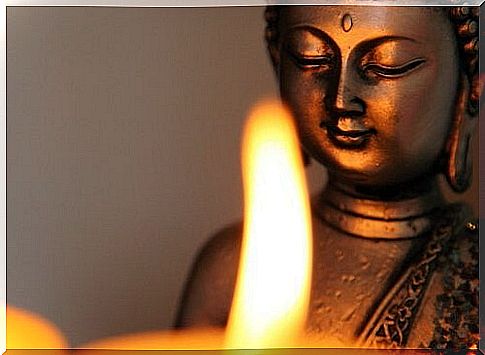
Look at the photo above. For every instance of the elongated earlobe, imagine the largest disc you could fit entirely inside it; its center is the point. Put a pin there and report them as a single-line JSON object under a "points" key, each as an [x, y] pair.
{"points": [[459, 167], [274, 55]]}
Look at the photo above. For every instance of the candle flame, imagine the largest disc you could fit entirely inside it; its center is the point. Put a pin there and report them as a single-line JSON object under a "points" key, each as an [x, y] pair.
{"points": [[273, 287], [272, 291]]}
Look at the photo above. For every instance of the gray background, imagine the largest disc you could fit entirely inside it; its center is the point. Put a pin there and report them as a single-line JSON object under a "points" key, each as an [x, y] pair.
{"points": [[123, 155]]}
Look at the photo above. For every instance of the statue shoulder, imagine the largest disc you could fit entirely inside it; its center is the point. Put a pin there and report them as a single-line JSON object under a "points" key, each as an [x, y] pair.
{"points": [[222, 246], [465, 244], [436, 302], [457, 304], [460, 258], [207, 296]]}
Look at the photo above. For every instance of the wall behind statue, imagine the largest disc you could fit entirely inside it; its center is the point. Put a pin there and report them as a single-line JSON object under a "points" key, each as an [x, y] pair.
{"points": [[123, 155]]}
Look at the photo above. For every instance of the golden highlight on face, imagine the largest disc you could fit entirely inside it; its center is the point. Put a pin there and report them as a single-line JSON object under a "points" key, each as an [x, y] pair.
{"points": [[372, 88]]}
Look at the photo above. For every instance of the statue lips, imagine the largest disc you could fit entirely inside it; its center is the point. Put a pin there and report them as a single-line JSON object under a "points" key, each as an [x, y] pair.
{"points": [[348, 132]]}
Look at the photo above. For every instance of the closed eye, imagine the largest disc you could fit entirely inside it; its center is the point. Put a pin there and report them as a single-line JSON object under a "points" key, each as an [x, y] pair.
{"points": [[387, 71], [324, 62]]}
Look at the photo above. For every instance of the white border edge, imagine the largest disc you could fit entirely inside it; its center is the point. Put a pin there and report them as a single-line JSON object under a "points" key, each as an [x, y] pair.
{"points": [[3, 177], [231, 3], [120, 3]]}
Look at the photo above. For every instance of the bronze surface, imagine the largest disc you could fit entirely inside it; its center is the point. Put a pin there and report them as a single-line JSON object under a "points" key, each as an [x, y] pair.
{"points": [[386, 99]]}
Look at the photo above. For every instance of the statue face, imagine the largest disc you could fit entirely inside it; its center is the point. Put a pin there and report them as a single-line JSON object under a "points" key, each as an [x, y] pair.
{"points": [[373, 89]]}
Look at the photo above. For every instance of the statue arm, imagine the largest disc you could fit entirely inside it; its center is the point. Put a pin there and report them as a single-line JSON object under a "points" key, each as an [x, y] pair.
{"points": [[207, 296]]}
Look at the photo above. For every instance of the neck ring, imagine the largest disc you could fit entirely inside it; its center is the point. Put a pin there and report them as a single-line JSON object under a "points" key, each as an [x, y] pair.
{"points": [[380, 219]]}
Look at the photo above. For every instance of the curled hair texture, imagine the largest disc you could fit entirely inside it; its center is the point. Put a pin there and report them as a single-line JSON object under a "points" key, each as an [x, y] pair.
{"points": [[465, 21]]}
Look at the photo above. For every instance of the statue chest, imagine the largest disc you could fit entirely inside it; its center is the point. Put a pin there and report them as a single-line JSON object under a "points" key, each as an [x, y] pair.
{"points": [[350, 276], [402, 293]]}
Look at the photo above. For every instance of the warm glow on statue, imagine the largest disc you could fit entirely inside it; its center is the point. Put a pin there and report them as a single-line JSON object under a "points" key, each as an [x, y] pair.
{"points": [[386, 98]]}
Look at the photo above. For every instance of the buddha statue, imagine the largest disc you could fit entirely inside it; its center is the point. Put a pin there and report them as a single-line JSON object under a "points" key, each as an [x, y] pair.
{"points": [[386, 98]]}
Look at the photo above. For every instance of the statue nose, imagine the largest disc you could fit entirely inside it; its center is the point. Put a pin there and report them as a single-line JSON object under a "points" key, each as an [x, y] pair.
{"points": [[346, 98]]}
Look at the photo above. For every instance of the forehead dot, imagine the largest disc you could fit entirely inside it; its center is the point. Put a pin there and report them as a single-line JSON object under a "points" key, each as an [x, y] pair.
{"points": [[347, 23]]}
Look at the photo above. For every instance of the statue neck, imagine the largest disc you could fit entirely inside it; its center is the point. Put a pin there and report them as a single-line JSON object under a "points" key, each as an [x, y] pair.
{"points": [[403, 212]]}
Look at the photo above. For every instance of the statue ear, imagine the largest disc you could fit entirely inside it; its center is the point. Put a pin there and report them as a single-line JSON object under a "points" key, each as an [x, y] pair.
{"points": [[459, 166], [274, 54], [271, 34]]}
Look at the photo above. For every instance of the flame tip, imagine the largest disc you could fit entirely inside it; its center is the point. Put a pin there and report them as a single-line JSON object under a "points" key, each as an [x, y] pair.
{"points": [[273, 285]]}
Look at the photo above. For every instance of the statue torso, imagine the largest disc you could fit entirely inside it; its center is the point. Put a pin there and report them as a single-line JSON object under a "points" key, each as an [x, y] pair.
{"points": [[350, 275], [397, 293], [374, 292]]}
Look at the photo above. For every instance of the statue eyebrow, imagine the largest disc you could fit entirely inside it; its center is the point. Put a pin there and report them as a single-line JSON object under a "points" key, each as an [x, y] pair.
{"points": [[372, 43], [313, 30], [366, 45]]}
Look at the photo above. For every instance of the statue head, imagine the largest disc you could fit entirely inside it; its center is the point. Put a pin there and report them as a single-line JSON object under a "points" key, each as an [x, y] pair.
{"points": [[382, 96]]}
